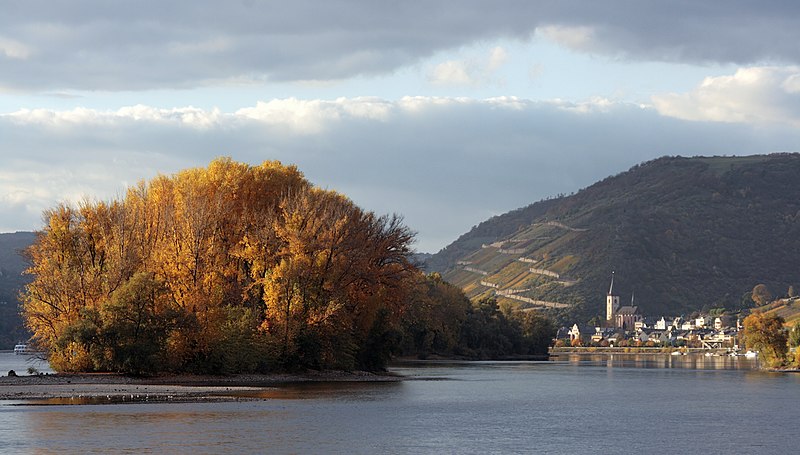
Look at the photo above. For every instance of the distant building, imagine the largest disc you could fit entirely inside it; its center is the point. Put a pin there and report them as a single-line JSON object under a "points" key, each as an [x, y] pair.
{"points": [[612, 301], [620, 317], [582, 332], [627, 317]]}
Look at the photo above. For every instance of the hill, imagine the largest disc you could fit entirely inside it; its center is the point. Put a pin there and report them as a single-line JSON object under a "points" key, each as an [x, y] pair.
{"points": [[788, 309], [683, 234], [11, 282]]}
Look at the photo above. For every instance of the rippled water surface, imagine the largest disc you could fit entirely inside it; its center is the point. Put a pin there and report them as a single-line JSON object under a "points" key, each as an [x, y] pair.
{"points": [[578, 405]]}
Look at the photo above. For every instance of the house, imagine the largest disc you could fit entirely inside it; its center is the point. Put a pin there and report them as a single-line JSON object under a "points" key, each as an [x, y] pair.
{"points": [[666, 337], [702, 321], [661, 324], [582, 332], [615, 337]]}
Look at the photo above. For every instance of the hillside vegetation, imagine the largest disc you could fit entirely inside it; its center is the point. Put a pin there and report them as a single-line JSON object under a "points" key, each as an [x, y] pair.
{"points": [[12, 281], [683, 234]]}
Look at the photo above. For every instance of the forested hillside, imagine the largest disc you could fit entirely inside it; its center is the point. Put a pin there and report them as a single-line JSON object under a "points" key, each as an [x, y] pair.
{"points": [[681, 234], [11, 282]]}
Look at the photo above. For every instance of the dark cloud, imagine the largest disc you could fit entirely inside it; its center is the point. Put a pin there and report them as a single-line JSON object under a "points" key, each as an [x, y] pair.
{"points": [[445, 165], [100, 45]]}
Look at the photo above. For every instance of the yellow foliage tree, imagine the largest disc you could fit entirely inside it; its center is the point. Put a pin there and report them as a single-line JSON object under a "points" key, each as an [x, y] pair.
{"points": [[240, 252]]}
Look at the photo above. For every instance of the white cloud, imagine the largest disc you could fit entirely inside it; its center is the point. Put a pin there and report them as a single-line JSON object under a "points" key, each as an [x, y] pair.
{"points": [[314, 116], [761, 95], [497, 58], [13, 49], [451, 72], [471, 71], [189, 116], [443, 163]]}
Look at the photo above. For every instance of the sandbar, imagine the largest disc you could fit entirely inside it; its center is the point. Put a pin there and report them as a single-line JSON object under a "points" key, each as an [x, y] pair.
{"points": [[94, 388]]}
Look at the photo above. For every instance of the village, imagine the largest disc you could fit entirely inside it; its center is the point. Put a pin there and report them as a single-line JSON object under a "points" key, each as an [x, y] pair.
{"points": [[625, 327]]}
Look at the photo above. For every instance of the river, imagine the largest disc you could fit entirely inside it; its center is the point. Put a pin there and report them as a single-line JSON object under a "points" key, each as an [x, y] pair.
{"points": [[599, 405]]}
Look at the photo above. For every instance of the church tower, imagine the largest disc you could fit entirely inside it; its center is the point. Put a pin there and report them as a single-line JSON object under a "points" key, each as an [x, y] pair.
{"points": [[612, 301]]}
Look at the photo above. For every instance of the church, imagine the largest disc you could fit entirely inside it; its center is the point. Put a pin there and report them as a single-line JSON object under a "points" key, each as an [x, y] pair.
{"points": [[625, 317]]}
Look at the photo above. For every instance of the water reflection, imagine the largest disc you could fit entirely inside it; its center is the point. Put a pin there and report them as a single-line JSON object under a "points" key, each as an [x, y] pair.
{"points": [[340, 391], [624, 404], [689, 361]]}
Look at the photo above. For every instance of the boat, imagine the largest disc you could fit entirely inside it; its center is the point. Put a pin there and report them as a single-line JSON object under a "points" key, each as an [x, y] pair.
{"points": [[21, 349], [751, 354]]}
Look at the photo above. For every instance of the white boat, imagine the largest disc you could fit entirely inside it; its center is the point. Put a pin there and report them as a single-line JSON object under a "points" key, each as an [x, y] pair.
{"points": [[751, 354], [21, 349]]}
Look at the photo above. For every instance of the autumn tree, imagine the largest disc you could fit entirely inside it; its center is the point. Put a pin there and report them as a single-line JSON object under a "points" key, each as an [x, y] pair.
{"points": [[765, 334], [761, 295], [209, 258]]}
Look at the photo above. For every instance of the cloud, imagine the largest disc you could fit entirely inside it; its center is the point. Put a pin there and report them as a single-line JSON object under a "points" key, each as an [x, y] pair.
{"points": [[13, 49], [470, 72], [444, 163], [97, 45], [760, 95], [581, 38], [451, 72]]}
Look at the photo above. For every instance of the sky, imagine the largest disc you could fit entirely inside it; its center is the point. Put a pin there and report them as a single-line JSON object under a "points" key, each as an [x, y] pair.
{"points": [[446, 112]]}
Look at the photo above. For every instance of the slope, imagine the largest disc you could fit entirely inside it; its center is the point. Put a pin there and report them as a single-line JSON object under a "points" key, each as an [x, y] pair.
{"points": [[11, 282], [680, 233]]}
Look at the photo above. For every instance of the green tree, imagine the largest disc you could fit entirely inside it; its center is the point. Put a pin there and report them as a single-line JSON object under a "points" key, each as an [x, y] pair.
{"points": [[765, 334], [538, 332], [135, 325]]}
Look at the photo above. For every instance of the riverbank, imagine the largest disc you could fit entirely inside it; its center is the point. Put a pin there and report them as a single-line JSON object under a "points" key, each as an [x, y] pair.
{"points": [[116, 388], [633, 350]]}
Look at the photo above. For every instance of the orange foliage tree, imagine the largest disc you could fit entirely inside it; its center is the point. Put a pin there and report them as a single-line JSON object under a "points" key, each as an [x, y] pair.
{"points": [[238, 267]]}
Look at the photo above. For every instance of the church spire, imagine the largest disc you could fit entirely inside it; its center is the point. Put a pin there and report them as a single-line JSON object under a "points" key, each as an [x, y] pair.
{"points": [[611, 288]]}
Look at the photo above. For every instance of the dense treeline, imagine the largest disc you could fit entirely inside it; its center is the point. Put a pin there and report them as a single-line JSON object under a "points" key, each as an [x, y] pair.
{"points": [[443, 322], [238, 268], [229, 268]]}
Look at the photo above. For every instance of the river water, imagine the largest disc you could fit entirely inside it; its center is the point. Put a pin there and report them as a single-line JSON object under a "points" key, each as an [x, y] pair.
{"points": [[601, 405]]}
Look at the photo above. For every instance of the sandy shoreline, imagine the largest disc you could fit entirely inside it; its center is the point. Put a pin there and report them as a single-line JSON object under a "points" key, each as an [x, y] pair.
{"points": [[117, 388]]}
